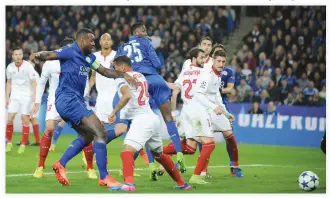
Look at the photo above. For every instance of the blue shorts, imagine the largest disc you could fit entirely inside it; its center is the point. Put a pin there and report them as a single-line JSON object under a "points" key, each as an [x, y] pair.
{"points": [[71, 108], [158, 89], [114, 104]]}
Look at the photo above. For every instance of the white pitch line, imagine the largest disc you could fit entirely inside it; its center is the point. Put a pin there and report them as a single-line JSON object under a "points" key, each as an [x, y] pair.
{"points": [[144, 169]]}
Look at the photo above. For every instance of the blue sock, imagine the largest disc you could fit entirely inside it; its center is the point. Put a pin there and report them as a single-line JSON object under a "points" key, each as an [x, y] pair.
{"points": [[74, 149], [136, 155], [57, 133], [174, 135], [200, 146], [111, 135], [150, 156], [100, 150]]}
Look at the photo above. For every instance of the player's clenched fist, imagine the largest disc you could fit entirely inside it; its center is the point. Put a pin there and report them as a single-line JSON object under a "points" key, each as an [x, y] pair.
{"points": [[112, 118], [218, 110]]}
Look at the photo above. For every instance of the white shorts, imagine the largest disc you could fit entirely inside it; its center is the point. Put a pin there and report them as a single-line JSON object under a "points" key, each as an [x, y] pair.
{"points": [[103, 108], [144, 132], [200, 122], [20, 105], [52, 113], [220, 123], [183, 124]]}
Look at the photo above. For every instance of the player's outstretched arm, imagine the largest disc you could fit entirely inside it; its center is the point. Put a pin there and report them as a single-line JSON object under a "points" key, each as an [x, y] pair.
{"points": [[112, 73], [43, 56], [228, 89], [126, 96]]}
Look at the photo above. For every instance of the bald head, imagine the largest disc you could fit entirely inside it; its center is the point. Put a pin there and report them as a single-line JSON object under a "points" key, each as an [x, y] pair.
{"points": [[106, 41]]}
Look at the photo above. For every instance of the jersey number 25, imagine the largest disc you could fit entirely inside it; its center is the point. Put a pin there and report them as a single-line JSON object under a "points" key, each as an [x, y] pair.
{"points": [[134, 50]]}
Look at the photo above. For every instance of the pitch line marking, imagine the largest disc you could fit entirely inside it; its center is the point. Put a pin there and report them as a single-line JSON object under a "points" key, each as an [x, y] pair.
{"points": [[144, 169]]}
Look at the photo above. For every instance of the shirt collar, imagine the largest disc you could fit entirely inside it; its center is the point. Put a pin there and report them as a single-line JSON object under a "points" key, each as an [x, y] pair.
{"points": [[216, 72]]}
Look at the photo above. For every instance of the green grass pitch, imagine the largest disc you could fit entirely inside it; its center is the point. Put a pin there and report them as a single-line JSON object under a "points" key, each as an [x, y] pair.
{"points": [[267, 169]]}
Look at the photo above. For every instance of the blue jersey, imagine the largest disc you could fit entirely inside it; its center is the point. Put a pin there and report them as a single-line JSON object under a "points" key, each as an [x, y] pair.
{"points": [[227, 76], [142, 54], [75, 67]]}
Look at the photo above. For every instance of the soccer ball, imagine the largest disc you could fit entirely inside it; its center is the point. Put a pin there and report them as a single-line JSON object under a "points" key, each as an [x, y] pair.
{"points": [[308, 181]]}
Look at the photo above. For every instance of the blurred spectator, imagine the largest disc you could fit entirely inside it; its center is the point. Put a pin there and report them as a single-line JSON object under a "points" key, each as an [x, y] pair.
{"points": [[317, 100], [256, 108], [264, 97], [242, 90], [303, 82], [271, 109], [155, 39], [323, 92], [289, 100], [246, 70], [257, 88], [251, 61], [300, 100], [285, 89], [265, 79], [310, 90], [290, 77], [277, 77], [232, 98]]}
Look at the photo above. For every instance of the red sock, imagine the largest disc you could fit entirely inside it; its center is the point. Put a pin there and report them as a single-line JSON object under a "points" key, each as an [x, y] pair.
{"points": [[231, 141], [36, 132], [170, 168], [9, 132], [128, 166], [203, 157], [46, 140], [169, 149], [188, 150], [206, 166], [89, 154], [25, 134], [144, 157]]}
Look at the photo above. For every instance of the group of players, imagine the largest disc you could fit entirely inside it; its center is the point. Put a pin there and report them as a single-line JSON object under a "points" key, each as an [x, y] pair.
{"points": [[129, 88]]}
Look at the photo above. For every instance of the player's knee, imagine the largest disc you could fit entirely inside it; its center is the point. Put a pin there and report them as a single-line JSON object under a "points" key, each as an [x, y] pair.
{"points": [[49, 132], [206, 140], [120, 129], [10, 122], [25, 119], [128, 148], [227, 133], [61, 124], [89, 138]]}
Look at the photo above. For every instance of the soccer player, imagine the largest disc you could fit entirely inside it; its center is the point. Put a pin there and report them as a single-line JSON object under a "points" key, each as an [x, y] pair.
{"points": [[144, 60], [185, 83], [20, 94], [51, 71], [106, 89], [227, 86], [206, 100], [324, 143], [134, 106], [76, 62], [206, 45]]}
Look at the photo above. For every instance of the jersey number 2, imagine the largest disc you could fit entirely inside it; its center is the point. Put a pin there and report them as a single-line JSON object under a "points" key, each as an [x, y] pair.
{"points": [[189, 83], [143, 93], [134, 49]]}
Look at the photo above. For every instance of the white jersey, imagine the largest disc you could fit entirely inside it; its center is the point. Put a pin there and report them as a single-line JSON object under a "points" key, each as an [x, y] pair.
{"points": [[139, 103], [207, 86], [50, 71], [105, 86], [187, 80], [20, 77]]}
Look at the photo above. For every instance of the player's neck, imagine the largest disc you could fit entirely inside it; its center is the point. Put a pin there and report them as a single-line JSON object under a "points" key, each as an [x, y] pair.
{"points": [[19, 64], [215, 71], [128, 70], [106, 52], [207, 59]]}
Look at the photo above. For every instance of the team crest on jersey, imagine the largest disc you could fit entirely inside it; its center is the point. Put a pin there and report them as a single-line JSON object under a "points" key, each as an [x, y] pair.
{"points": [[88, 59], [224, 73]]}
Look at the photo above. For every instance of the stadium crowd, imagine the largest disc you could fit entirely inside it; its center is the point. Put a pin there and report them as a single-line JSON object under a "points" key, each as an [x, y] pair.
{"points": [[282, 59]]}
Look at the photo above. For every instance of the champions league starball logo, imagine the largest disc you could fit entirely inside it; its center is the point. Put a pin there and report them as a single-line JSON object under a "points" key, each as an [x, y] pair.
{"points": [[88, 59]]}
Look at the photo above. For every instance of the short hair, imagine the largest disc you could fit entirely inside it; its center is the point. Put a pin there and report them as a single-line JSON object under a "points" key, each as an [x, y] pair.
{"points": [[205, 38], [220, 53], [218, 46], [17, 48], [136, 26], [66, 41], [83, 32], [123, 60], [194, 53]]}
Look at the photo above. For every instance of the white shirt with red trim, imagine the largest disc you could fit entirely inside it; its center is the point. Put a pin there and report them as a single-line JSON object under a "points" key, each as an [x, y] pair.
{"points": [[187, 80], [139, 102], [20, 77], [206, 91], [105, 86]]}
